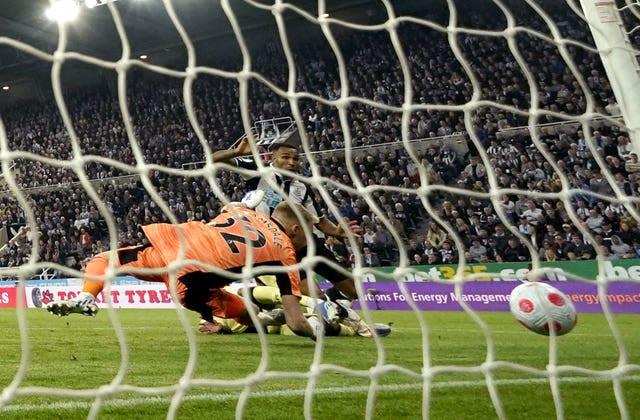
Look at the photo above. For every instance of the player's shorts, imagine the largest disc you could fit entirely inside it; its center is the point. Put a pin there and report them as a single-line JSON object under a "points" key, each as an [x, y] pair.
{"points": [[143, 256]]}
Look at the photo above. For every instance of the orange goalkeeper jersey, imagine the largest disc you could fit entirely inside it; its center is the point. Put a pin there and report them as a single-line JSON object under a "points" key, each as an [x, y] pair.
{"points": [[223, 243]]}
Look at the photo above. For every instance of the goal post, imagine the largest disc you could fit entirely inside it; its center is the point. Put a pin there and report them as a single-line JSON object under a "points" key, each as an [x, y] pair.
{"points": [[619, 57]]}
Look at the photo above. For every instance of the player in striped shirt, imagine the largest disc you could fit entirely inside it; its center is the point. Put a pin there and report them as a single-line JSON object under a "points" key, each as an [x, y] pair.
{"points": [[278, 186]]}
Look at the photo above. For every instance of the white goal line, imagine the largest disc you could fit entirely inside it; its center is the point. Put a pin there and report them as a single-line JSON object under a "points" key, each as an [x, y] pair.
{"points": [[296, 392]]}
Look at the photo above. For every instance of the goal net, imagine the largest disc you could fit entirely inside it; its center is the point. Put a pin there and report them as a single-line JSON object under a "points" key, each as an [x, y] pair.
{"points": [[477, 144]]}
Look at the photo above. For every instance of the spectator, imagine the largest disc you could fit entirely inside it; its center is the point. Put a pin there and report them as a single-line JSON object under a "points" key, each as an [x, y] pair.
{"points": [[474, 171], [369, 258], [548, 251], [631, 164], [515, 251], [605, 253], [628, 234], [369, 238], [414, 248], [636, 247], [567, 231], [433, 258], [620, 249], [578, 250], [418, 259], [385, 243], [86, 241], [561, 244], [594, 221], [532, 212], [477, 250], [448, 254], [436, 235]]}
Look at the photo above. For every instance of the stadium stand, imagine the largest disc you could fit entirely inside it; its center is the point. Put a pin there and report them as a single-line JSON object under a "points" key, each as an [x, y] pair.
{"points": [[70, 227]]}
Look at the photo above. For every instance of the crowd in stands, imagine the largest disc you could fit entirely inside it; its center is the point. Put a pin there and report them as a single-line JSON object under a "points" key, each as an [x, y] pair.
{"points": [[70, 226]]}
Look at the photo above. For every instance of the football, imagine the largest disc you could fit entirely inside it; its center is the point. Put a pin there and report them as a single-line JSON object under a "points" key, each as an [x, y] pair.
{"points": [[540, 307]]}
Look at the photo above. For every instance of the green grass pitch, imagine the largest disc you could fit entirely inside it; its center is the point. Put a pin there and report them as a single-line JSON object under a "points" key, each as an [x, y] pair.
{"points": [[83, 356]]}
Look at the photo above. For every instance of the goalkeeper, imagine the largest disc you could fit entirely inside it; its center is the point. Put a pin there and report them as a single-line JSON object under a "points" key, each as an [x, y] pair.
{"points": [[221, 244], [285, 157]]}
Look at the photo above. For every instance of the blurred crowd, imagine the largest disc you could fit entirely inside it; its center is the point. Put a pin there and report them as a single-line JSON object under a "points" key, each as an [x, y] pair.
{"points": [[383, 188]]}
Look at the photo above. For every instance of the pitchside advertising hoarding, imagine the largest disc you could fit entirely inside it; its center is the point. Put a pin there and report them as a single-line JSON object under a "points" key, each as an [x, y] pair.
{"points": [[8, 297], [143, 295], [391, 288]]}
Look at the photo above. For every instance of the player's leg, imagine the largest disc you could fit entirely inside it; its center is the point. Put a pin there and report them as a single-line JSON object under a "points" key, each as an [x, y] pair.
{"points": [[342, 321], [139, 256], [343, 290], [349, 325], [342, 293], [268, 297], [343, 284], [84, 303]]}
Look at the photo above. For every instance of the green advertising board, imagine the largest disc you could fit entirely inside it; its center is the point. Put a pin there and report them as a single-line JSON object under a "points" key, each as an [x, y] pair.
{"points": [[557, 270]]}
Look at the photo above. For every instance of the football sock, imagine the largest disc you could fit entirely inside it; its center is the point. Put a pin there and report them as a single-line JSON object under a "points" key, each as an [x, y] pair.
{"points": [[346, 331], [96, 267], [266, 296]]}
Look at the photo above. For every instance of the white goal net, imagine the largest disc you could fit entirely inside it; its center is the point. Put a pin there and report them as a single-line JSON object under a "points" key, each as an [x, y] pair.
{"points": [[476, 143]]}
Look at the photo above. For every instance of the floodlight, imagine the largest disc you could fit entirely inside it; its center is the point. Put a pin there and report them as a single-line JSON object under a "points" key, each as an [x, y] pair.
{"points": [[63, 11]]}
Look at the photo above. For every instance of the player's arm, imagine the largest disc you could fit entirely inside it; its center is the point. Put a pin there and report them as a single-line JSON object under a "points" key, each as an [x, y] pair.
{"points": [[329, 228], [242, 149], [288, 284], [295, 318]]}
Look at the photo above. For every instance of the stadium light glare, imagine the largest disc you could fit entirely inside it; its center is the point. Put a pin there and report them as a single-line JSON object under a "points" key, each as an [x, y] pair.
{"points": [[63, 11], [5, 87], [91, 3]]}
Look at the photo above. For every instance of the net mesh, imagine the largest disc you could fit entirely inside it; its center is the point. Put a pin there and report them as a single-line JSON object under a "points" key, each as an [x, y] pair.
{"points": [[442, 123]]}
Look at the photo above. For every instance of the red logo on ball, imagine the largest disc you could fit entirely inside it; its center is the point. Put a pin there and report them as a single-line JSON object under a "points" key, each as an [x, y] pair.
{"points": [[556, 299], [526, 306]]}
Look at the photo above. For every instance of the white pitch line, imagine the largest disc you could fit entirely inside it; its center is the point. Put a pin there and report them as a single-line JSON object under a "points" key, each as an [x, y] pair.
{"points": [[287, 393]]}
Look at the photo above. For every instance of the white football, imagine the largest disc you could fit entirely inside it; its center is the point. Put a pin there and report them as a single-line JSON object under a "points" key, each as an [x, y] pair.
{"points": [[252, 198], [538, 306]]}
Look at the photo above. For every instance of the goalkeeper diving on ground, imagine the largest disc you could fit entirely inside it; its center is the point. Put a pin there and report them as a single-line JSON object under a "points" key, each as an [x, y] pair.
{"points": [[211, 251]]}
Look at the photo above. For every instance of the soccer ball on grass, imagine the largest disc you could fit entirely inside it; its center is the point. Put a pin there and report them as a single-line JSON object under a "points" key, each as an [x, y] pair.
{"points": [[538, 306]]}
